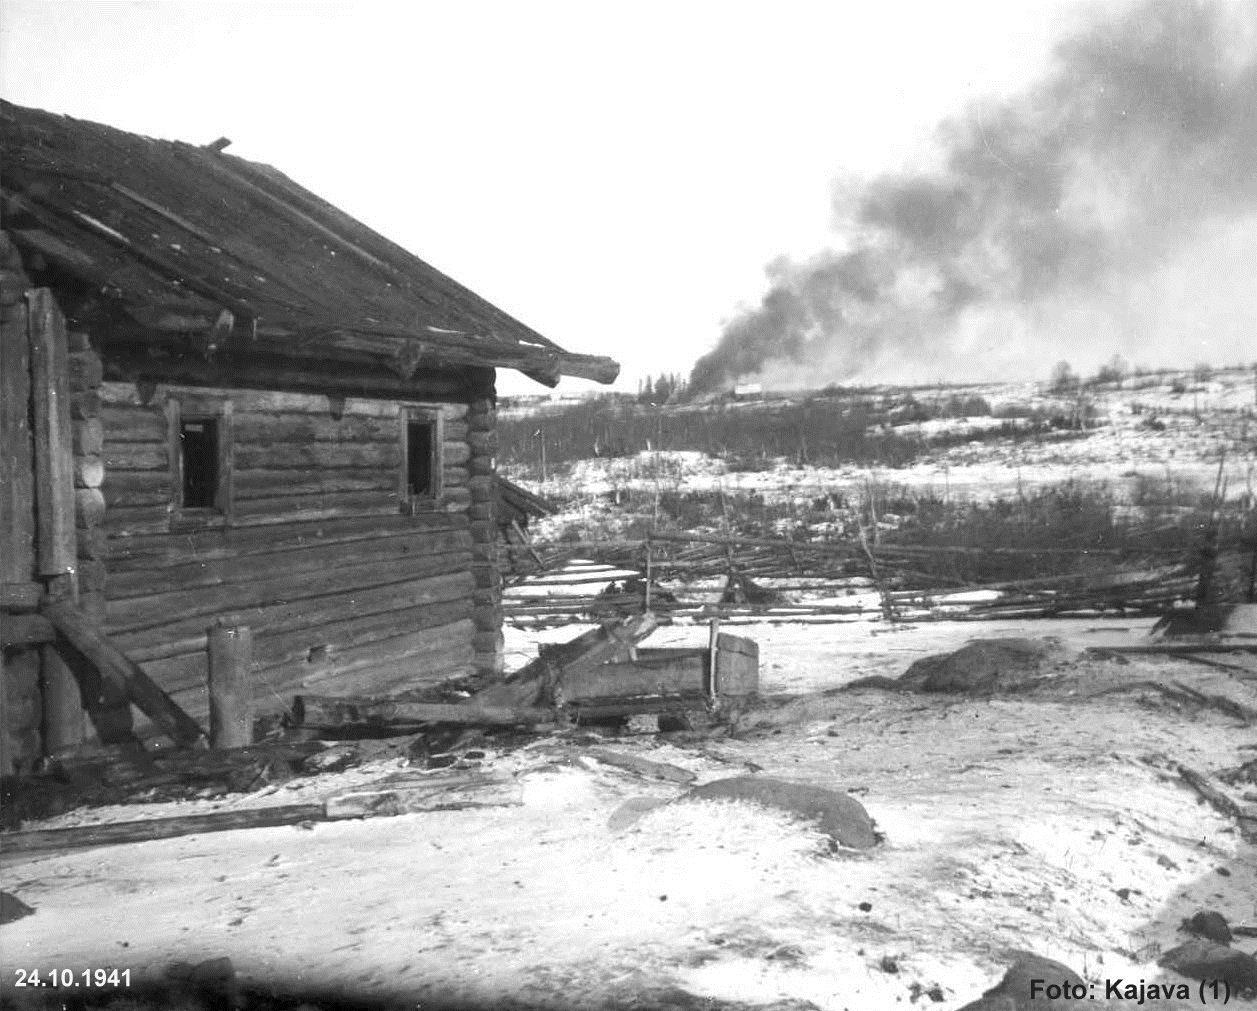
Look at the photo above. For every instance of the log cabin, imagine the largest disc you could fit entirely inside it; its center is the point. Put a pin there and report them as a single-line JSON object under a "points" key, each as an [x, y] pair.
{"points": [[228, 405]]}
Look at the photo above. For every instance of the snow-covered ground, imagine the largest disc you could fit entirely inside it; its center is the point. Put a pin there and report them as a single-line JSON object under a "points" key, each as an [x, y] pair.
{"points": [[1048, 822]]}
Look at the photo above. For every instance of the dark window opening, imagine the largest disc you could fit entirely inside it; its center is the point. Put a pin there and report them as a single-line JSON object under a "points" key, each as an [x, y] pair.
{"points": [[419, 456], [198, 445]]}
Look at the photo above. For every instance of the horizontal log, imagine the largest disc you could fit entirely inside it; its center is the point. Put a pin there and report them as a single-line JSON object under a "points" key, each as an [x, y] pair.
{"points": [[134, 423], [454, 477], [114, 666], [377, 668], [405, 661], [454, 429], [183, 637], [271, 587], [301, 641], [165, 549], [325, 712], [321, 455], [319, 556], [309, 427], [125, 832], [131, 488], [135, 455], [274, 484], [250, 371]]}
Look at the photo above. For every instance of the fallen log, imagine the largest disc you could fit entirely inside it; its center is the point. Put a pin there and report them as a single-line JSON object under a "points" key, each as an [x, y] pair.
{"points": [[1182, 693], [641, 766], [117, 833], [326, 712], [1220, 802], [411, 794]]}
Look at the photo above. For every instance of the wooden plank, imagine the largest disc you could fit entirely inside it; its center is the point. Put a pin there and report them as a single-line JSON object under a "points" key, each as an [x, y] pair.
{"points": [[91, 642], [416, 792], [53, 437], [17, 481], [737, 665], [125, 832], [680, 675]]}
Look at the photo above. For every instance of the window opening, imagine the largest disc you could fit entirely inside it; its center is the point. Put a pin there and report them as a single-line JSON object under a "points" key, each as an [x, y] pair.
{"points": [[198, 447], [420, 436]]}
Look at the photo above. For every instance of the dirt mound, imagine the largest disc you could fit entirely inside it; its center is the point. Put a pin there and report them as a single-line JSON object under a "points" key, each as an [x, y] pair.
{"points": [[837, 814], [984, 667]]}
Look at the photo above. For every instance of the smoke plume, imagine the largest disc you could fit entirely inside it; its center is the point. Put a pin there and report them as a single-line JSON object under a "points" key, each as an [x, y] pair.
{"points": [[1078, 216]]}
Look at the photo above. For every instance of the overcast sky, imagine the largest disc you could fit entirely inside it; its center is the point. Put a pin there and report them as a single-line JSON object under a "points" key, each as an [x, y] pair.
{"points": [[617, 176]]}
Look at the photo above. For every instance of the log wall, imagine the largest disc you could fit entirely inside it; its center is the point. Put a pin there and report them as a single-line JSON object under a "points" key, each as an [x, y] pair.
{"points": [[343, 591]]}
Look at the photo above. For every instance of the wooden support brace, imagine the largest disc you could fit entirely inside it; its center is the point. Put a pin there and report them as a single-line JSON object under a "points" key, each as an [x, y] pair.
{"points": [[87, 639]]}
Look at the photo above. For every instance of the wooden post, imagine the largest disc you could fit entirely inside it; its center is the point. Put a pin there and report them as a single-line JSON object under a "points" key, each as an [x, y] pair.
{"points": [[54, 455], [230, 695]]}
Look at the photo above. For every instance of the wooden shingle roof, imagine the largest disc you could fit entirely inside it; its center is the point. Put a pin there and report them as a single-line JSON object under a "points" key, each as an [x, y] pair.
{"points": [[191, 243]]}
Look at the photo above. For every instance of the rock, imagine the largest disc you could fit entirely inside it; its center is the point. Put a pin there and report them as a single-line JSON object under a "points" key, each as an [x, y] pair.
{"points": [[837, 814], [1209, 960], [983, 667], [12, 908], [1013, 992], [1209, 925]]}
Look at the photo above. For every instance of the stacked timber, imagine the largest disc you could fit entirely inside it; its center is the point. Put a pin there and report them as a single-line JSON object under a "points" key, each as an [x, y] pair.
{"points": [[488, 642]]}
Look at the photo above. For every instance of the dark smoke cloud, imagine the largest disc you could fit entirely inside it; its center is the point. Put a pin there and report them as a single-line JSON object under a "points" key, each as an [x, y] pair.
{"points": [[1142, 138]]}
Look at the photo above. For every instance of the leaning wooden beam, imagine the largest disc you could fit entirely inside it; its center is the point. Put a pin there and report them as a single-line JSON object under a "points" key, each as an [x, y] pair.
{"points": [[330, 712], [87, 639]]}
